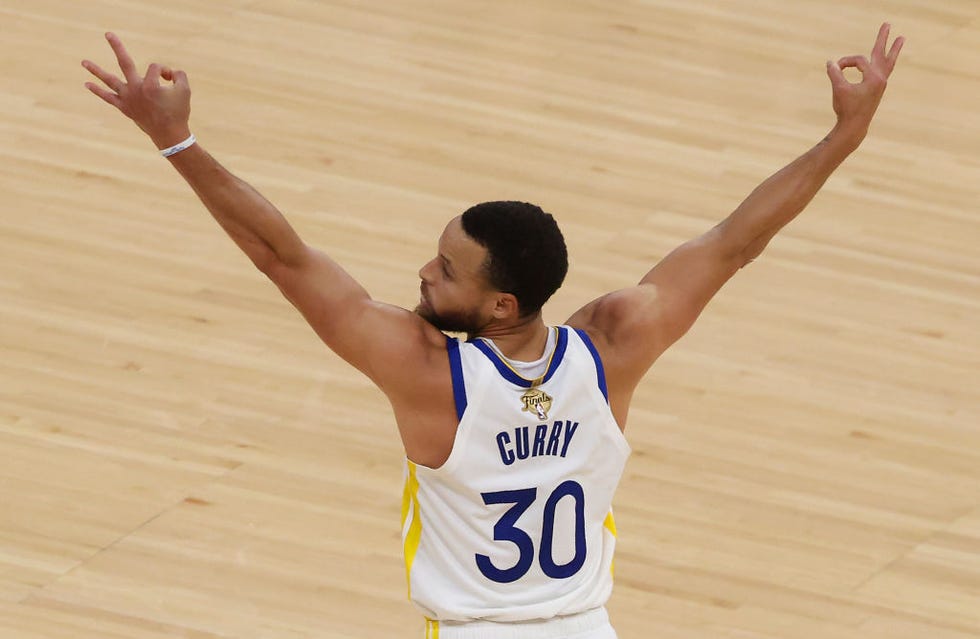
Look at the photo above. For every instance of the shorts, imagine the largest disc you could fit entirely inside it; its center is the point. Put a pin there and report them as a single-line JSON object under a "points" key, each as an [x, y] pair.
{"points": [[592, 624]]}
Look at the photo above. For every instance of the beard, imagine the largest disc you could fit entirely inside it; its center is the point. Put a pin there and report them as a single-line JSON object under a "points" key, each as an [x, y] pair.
{"points": [[451, 322]]}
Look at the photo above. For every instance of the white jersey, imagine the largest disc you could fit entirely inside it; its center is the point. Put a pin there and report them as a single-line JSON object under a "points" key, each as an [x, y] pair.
{"points": [[517, 524]]}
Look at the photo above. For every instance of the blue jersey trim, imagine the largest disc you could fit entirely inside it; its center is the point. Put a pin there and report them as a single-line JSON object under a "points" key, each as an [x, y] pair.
{"points": [[502, 368], [599, 370], [456, 370], [560, 345], [559, 353]]}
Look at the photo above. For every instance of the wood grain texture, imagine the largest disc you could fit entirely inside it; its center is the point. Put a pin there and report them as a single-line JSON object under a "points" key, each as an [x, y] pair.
{"points": [[180, 456]]}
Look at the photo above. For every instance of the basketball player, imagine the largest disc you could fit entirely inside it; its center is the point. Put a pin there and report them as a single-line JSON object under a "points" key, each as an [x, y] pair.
{"points": [[513, 436]]}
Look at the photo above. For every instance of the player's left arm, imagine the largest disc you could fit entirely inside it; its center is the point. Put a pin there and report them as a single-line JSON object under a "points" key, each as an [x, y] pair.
{"points": [[634, 326]]}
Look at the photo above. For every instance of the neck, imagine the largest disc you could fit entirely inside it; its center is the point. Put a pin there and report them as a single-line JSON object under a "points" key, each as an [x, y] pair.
{"points": [[524, 340]]}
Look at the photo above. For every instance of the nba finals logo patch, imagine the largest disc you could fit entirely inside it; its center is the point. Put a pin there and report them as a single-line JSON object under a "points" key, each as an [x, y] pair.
{"points": [[536, 401]]}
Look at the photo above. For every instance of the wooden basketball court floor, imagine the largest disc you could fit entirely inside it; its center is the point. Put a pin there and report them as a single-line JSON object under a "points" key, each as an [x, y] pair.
{"points": [[180, 456]]}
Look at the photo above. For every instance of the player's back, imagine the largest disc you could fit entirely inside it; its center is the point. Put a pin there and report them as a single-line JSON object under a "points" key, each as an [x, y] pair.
{"points": [[517, 524]]}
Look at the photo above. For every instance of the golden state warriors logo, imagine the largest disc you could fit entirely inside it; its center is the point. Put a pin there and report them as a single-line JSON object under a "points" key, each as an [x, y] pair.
{"points": [[536, 401]]}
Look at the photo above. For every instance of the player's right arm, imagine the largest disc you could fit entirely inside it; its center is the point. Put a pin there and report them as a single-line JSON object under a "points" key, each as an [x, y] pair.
{"points": [[378, 339], [632, 327]]}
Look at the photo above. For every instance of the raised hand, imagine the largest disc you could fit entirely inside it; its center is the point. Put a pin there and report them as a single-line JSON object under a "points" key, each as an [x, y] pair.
{"points": [[855, 103], [162, 111]]}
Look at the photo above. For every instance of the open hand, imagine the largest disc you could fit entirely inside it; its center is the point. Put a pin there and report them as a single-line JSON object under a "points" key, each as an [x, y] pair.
{"points": [[855, 103], [162, 111]]}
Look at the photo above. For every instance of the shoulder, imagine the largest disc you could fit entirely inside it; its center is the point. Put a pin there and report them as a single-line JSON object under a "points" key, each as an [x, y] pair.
{"points": [[621, 320], [407, 350], [417, 377], [625, 328]]}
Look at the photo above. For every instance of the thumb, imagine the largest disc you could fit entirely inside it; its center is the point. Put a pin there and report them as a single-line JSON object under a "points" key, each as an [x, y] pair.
{"points": [[180, 79], [835, 73]]}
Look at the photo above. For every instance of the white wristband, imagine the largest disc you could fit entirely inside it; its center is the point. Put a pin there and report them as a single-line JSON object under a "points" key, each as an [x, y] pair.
{"points": [[180, 146]]}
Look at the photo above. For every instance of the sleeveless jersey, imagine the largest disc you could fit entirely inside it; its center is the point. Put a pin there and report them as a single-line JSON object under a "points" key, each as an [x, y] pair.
{"points": [[517, 524]]}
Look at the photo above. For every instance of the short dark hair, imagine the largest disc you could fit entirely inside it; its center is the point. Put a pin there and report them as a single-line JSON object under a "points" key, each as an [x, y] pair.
{"points": [[526, 254]]}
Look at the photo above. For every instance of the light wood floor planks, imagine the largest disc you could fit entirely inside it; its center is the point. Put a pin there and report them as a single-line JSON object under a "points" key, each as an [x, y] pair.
{"points": [[180, 457]]}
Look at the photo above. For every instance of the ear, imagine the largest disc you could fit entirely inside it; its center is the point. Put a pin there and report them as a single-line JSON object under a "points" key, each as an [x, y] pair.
{"points": [[506, 307]]}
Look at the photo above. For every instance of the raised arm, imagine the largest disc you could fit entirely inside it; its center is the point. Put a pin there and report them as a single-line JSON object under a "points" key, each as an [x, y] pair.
{"points": [[368, 334], [632, 327]]}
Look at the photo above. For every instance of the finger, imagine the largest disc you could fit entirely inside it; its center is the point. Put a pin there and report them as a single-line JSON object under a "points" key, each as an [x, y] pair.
{"points": [[108, 96], [858, 61], [109, 79], [878, 52], [152, 75], [167, 74], [893, 53], [122, 56]]}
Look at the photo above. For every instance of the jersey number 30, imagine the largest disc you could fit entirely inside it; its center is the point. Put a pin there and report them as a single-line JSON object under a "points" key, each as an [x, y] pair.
{"points": [[505, 530]]}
